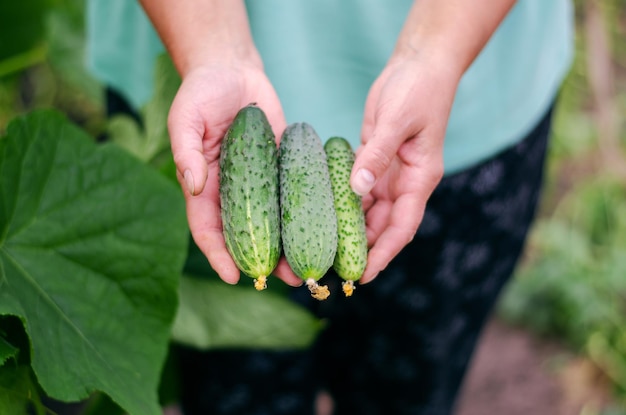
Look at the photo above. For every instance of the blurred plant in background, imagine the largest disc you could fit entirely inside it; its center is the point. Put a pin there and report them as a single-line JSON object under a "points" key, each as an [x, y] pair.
{"points": [[572, 283], [42, 62]]}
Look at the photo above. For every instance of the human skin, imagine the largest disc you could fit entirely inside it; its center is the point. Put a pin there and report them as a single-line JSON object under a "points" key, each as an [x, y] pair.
{"points": [[406, 112], [400, 161]]}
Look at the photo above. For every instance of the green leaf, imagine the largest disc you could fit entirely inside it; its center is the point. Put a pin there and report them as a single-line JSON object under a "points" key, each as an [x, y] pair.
{"points": [[92, 242], [167, 82], [101, 404], [22, 61], [125, 131], [18, 392], [65, 37], [153, 143], [7, 351], [212, 314], [169, 388], [14, 340], [21, 26]]}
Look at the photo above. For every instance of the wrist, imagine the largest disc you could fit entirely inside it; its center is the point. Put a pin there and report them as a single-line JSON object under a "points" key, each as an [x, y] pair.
{"points": [[207, 33], [236, 55], [449, 34], [430, 55]]}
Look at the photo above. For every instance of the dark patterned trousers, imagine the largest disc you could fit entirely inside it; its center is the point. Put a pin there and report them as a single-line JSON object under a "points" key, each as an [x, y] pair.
{"points": [[401, 344]]}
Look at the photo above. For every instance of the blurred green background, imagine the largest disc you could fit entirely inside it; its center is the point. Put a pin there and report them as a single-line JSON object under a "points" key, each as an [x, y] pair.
{"points": [[571, 285]]}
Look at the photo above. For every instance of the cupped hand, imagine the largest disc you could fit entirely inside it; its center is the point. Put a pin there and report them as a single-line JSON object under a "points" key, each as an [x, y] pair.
{"points": [[401, 160], [203, 109]]}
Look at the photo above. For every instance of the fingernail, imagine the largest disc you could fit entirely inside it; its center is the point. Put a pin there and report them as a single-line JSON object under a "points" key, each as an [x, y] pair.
{"points": [[363, 182], [189, 182], [370, 279]]}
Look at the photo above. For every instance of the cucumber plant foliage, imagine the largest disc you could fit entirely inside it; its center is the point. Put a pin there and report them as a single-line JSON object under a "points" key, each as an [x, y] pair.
{"points": [[93, 246]]}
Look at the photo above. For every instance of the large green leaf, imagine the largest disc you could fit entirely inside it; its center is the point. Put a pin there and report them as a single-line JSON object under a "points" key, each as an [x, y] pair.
{"points": [[92, 242], [215, 315]]}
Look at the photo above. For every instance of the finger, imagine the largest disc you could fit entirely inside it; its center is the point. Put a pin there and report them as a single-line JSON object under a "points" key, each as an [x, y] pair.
{"points": [[204, 216], [375, 156], [404, 219], [265, 97], [286, 274], [186, 135], [275, 117], [377, 220], [367, 202]]}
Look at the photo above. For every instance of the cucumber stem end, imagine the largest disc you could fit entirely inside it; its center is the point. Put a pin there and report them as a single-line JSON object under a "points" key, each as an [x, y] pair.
{"points": [[348, 288], [260, 283], [319, 292]]}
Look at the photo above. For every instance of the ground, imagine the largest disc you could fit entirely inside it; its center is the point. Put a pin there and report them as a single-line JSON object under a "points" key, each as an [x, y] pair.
{"points": [[515, 373]]}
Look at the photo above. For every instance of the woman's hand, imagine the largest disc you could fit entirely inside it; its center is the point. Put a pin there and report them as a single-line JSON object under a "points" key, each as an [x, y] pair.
{"points": [[406, 112], [401, 160], [204, 107], [221, 70]]}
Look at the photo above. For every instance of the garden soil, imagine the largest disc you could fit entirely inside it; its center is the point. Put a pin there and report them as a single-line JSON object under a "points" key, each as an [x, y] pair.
{"points": [[515, 373]]}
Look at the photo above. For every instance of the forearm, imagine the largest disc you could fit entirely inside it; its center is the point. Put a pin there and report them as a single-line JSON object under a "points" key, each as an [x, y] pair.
{"points": [[197, 32], [450, 32]]}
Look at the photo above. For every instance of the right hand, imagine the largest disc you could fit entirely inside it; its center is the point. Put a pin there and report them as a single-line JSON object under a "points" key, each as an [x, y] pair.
{"points": [[204, 107]]}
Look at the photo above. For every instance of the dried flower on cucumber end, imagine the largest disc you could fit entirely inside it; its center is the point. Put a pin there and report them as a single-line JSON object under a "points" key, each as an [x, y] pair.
{"points": [[260, 283], [319, 292]]}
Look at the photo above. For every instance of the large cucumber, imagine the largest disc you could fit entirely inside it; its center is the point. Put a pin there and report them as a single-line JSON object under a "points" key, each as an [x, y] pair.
{"points": [[351, 257], [308, 219], [249, 194]]}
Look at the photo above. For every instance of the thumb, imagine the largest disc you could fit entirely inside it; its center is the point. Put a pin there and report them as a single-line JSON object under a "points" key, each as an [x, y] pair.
{"points": [[191, 170], [374, 158], [191, 163]]}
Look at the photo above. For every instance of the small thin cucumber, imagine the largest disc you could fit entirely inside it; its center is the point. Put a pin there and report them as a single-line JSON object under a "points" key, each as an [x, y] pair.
{"points": [[351, 257], [249, 194], [308, 219]]}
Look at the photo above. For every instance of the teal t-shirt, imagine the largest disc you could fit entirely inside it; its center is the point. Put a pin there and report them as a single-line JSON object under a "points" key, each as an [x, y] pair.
{"points": [[322, 57]]}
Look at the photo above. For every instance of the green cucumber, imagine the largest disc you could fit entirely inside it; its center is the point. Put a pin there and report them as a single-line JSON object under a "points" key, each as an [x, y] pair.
{"points": [[308, 219], [249, 195], [351, 257]]}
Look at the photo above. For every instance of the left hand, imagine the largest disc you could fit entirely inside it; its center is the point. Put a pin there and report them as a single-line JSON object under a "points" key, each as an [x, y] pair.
{"points": [[401, 160]]}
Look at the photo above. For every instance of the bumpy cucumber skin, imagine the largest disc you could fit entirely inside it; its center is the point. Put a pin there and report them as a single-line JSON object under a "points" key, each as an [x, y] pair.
{"points": [[351, 257], [308, 219], [249, 193]]}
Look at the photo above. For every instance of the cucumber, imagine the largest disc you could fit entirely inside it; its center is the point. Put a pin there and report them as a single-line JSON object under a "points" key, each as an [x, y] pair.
{"points": [[308, 219], [351, 257], [249, 195]]}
